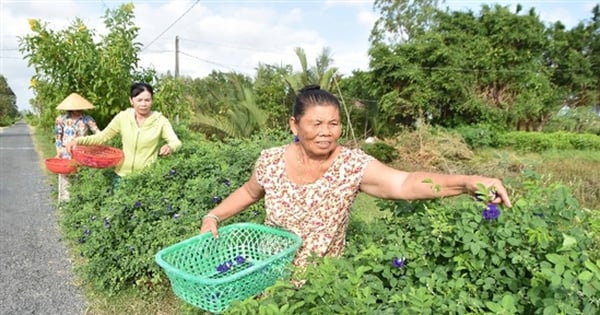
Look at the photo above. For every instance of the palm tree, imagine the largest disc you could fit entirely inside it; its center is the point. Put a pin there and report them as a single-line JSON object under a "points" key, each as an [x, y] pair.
{"points": [[322, 73], [239, 115]]}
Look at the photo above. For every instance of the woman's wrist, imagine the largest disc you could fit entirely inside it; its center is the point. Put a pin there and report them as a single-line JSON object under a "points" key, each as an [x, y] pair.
{"points": [[212, 216]]}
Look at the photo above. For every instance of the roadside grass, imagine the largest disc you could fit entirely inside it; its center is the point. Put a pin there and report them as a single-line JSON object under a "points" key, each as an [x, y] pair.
{"points": [[129, 302], [44, 146], [578, 170]]}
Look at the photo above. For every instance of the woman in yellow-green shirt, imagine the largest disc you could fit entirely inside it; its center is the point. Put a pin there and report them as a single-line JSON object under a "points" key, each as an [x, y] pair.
{"points": [[141, 131]]}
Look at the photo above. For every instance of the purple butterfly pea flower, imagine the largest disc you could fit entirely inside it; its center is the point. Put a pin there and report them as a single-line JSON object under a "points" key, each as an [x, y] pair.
{"points": [[491, 212], [399, 262]]}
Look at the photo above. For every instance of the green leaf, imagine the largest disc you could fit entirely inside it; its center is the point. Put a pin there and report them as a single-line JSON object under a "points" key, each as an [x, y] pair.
{"points": [[557, 259], [568, 242], [585, 276], [494, 307], [508, 303]]}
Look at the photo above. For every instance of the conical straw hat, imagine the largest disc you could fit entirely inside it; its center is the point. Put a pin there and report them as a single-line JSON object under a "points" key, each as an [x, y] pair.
{"points": [[74, 102]]}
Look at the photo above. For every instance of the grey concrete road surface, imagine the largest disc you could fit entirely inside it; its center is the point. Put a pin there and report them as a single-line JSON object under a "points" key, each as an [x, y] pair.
{"points": [[35, 271]]}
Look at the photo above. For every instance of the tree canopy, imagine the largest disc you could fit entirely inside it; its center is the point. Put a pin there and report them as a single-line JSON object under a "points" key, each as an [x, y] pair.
{"points": [[498, 66]]}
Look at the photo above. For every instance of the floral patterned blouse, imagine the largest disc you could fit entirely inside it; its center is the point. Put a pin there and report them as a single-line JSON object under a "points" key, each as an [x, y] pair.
{"points": [[318, 212], [66, 128]]}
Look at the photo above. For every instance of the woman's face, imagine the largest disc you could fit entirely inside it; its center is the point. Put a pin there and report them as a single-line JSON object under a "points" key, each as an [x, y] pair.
{"points": [[142, 103], [319, 129]]}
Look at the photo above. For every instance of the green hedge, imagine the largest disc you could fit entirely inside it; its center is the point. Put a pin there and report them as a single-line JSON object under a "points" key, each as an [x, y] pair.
{"points": [[117, 231], [539, 141]]}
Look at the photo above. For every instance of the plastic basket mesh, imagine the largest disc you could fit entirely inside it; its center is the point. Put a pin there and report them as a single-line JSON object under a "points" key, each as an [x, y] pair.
{"points": [[246, 259], [97, 156]]}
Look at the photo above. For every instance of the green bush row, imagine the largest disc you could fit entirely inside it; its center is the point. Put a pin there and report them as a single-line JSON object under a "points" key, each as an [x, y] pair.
{"points": [[539, 141], [479, 136], [117, 231]]}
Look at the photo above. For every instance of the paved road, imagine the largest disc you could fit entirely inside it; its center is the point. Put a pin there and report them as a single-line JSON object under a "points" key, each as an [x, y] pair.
{"points": [[35, 271]]}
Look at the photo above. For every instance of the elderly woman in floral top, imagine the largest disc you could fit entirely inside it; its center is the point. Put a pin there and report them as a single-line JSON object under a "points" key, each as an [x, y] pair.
{"points": [[309, 185], [72, 124]]}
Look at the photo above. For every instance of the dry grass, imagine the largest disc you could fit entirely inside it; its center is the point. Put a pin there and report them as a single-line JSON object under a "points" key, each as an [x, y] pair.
{"points": [[578, 170], [426, 150]]}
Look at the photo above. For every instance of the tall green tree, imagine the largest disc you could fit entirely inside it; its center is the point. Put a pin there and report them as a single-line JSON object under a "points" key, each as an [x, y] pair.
{"points": [[8, 103], [468, 68], [273, 95], [172, 98], [362, 104], [593, 53], [573, 56], [401, 20], [69, 60]]}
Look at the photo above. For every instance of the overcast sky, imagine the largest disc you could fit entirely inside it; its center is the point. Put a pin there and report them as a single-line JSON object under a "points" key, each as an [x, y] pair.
{"points": [[232, 35]]}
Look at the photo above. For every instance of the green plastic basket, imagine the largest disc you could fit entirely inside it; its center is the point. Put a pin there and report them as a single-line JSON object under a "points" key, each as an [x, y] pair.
{"points": [[246, 259]]}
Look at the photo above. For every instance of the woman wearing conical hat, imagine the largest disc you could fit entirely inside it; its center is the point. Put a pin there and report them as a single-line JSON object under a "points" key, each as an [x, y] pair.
{"points": [[72, 124]]}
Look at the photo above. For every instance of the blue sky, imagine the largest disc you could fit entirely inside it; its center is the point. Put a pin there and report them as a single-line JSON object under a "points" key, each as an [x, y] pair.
{"points": [[231, 35]]}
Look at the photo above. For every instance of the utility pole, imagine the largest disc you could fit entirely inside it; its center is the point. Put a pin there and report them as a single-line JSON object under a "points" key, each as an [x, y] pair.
{"points": [[176, 56]]}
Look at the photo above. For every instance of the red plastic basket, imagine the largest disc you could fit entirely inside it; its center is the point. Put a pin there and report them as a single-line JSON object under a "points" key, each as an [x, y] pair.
{"points": [[97, 156], [61, 166]]}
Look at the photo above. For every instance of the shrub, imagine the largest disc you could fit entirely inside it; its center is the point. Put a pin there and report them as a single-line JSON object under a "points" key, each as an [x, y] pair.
{"points": [[117, 232], [444, 257], [381, 151], [539, 141], [479, 136]]}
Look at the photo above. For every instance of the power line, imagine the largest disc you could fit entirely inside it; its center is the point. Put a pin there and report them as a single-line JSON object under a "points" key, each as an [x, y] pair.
{"points": [[234, 47], [213, 62], [172, 24]]}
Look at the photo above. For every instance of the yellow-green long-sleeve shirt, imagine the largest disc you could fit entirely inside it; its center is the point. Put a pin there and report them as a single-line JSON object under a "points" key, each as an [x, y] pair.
{"points": [[140, 144]]}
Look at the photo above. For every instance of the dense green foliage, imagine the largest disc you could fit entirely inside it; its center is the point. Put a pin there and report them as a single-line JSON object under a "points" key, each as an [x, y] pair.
{"points": [[540, 256], [537, 258], [583, 119], [117, 230], [381, 151], [537, 141], [497, 67], [479, 136], [8, 103]]}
